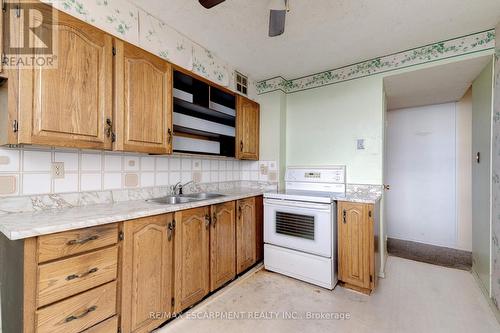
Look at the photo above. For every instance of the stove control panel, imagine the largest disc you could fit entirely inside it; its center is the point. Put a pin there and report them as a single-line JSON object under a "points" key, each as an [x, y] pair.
{"points": [[331, 174]]}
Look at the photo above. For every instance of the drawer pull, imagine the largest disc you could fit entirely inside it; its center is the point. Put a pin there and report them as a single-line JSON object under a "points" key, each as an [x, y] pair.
{"points": [[76, 276], [82, 241], [89, 310]]}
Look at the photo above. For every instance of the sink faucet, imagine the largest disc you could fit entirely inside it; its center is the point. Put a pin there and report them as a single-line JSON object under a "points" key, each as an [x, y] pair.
{"points": [[179, 186]]}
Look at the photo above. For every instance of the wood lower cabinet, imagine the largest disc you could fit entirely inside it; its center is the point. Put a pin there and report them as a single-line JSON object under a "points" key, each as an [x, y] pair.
{"points": [[115, 276], [146, 272], [192, 257], [247, 128], [70, 105], [222, 244], [143, 101], [246, 229], [356, 245]]}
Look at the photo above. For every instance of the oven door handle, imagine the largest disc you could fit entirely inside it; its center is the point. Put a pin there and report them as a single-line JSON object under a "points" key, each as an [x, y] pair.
{"points": [[297, 204]]}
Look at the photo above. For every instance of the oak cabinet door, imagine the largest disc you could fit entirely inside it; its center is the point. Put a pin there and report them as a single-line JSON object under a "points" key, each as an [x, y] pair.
{"points": [[69, 106], [192, 264], [246, 254], [143, 106], [355, 244], [147, 263], [247, 129], [222, 245]]}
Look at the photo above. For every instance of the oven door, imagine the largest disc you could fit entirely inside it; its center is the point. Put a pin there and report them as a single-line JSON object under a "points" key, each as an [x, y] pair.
{"points": [[298, 225]]}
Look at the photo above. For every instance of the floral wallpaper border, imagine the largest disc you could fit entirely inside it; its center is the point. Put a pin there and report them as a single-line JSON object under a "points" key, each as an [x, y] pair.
{"points": [[442, 50], [131, 23]]}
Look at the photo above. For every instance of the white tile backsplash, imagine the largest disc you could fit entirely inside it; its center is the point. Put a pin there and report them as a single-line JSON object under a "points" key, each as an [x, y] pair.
{"points": [[36, 184], [162, 163], [91, 182], [148, 163], [112, 181], [95, 171], [112, 162], [147, 179], [37, 161], [67, 184], [70, 160], [9, 160], [91, 162]]}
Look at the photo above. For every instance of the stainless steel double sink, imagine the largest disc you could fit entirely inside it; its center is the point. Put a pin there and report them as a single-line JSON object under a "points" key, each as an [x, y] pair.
{"points": [[185, 198]]}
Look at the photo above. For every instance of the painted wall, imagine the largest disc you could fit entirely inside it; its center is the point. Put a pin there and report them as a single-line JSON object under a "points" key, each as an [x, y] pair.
{"points": [[481, 175], [495, 253], [426, 164], [323, 124], [273, 129]]}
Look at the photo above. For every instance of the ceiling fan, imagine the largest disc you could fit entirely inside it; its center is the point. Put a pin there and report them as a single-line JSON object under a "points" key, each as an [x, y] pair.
{"points": [[278, 10]]}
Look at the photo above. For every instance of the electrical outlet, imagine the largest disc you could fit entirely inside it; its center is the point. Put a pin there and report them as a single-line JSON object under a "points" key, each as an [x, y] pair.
{"points": [[57, 170]]}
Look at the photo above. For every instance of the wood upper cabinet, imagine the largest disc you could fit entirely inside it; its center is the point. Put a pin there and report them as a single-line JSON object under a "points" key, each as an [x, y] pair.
{"points": [[146, 272], [246, 254], [247, 129], [143, 101], [222, 244], [192, 264], [356, 245], [68, 106]]}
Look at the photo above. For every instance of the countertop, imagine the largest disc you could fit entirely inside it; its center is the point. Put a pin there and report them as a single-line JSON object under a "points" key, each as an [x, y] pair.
{"points": [[102, 209], [30, 224]]}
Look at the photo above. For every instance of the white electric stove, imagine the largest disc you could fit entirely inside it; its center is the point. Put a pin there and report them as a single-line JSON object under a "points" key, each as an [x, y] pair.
{"points": [[300, 233]]}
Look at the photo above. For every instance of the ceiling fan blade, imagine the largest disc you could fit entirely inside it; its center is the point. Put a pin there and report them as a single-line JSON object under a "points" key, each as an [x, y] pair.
{"points": [[210, 3], [277, 22]]}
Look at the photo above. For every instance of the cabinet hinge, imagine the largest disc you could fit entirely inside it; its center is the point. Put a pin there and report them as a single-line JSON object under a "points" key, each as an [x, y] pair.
{"points": [[119, 330], [173, 224], [114, 50], [18, 11], [121, 235], [371, 278], [15, 126], [4, 6], [370, 213], [172, 301]]}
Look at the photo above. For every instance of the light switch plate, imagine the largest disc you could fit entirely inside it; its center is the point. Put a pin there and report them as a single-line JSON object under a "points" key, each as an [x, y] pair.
{"points": [[57, 170], [361, 144]]}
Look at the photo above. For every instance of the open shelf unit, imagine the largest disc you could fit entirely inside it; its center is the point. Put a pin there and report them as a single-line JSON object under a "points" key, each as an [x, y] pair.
{"points": [[204, 117]]}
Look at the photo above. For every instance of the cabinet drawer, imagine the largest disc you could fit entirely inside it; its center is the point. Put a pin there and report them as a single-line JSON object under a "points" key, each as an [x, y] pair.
{"points": [[60, 279], [108, 326], [67, 243], [79, 312]]}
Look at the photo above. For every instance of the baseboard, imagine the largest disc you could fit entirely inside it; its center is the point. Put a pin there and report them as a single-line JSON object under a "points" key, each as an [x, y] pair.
{"points": [[431, 254], [494, 309]]}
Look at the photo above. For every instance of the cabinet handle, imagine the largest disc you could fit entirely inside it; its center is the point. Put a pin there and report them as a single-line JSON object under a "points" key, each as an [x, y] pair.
{"points": [[207, 221], [109, 130], [86, 312], [214, 219], [76, 276], [170, 231], [344, 216], [241, 145], [82, 241], [169, 132]]}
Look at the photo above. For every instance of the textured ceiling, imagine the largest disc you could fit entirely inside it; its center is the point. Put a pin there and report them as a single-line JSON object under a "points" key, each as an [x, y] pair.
{"points": [[321, 34]]}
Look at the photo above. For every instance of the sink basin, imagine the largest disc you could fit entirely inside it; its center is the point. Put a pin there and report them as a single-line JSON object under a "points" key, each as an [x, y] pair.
{"points": [[172, 200], [180, 199], [203, 196]]}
